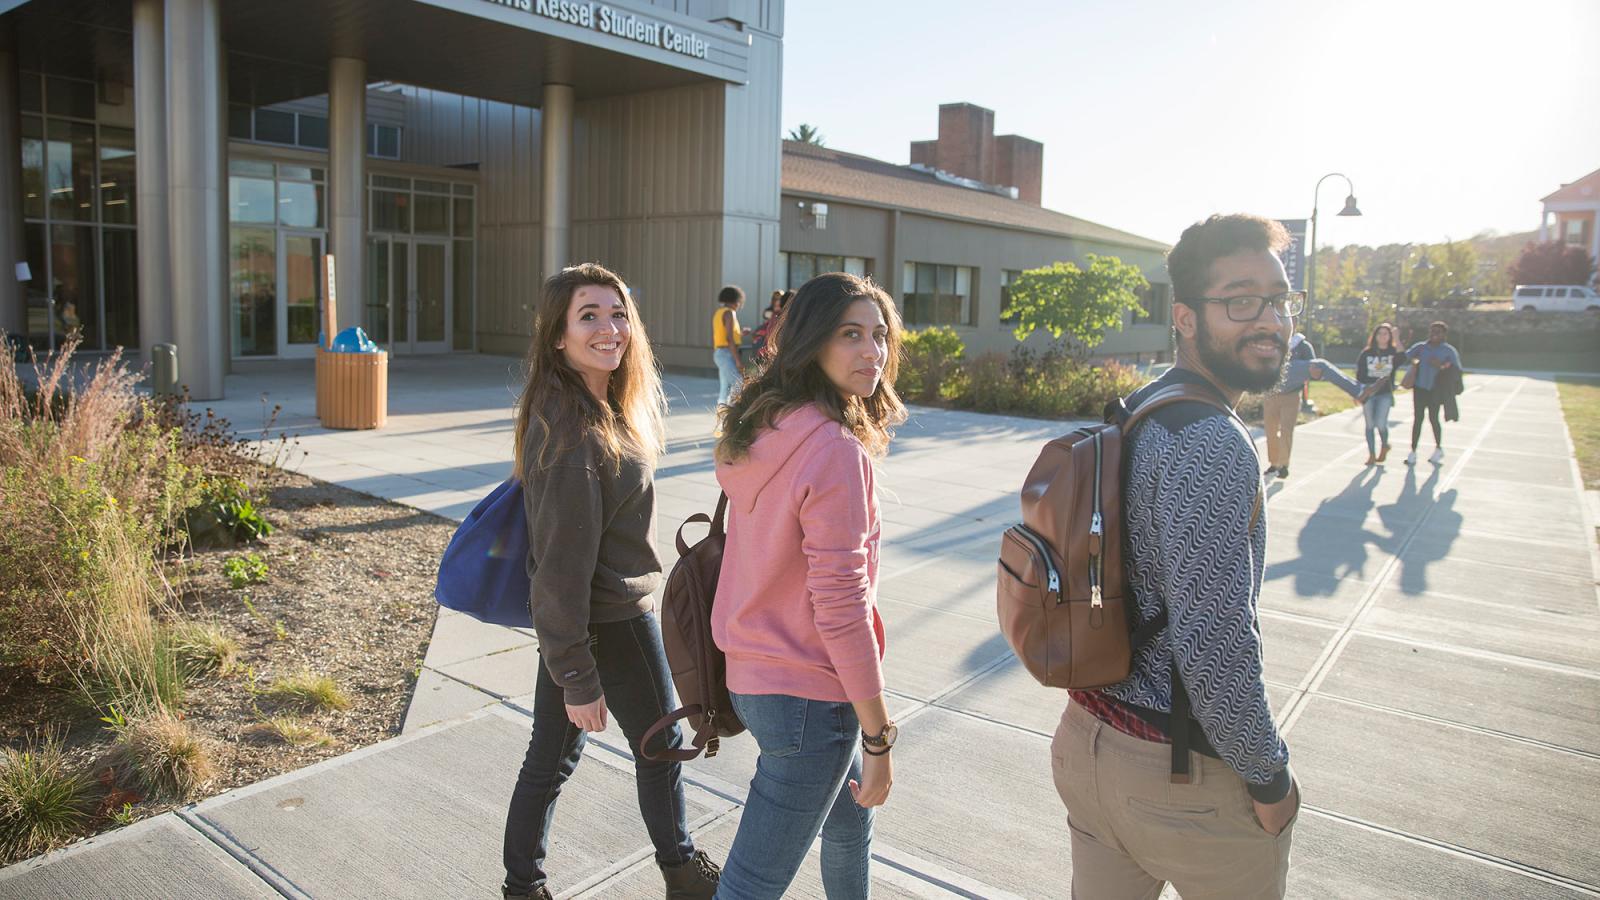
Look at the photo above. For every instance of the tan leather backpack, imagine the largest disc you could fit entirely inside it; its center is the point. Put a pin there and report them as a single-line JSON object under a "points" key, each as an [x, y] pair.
{"points": [[1062, 595], [699, 668]]}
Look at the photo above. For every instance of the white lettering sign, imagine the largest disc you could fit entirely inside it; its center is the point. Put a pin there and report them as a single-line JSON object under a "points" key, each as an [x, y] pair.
{"points": [[616, 23]]}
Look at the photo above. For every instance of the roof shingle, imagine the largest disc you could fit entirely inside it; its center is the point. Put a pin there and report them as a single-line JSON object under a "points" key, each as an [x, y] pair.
{"points": [[824, 172]]}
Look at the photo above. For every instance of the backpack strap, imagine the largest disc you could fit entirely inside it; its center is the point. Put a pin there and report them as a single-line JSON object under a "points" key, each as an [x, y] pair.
{"points": [[717, 521], [704, 739]]}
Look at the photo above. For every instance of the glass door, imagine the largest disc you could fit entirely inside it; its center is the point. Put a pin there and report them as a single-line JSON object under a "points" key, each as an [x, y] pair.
{"points": [[430, 296], [300, 292], [380, 281]]}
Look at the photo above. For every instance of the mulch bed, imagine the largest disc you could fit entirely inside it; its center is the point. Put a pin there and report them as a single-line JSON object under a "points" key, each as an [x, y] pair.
{"points": [[348, 594]]}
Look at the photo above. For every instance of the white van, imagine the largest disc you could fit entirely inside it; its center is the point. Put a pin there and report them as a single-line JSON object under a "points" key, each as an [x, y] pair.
{"points": [[1555, 298]]}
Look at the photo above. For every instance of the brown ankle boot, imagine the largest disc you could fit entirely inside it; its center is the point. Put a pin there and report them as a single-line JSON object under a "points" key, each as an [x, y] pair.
{"points": [[694, 880]]}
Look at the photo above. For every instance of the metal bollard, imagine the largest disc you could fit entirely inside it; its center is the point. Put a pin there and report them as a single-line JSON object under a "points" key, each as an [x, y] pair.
{"points": [[164, 369]]}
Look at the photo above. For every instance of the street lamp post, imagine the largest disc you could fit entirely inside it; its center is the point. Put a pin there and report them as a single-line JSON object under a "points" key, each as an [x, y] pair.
{"points": [[1349, 210], [1422, 266]]}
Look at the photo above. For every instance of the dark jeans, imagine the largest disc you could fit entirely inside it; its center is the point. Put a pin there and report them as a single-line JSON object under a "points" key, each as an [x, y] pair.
{"points": [[1424, 401], [638, 691]]}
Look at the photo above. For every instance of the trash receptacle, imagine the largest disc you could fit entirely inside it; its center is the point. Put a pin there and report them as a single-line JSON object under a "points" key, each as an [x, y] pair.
{"points": [[352, 382]]}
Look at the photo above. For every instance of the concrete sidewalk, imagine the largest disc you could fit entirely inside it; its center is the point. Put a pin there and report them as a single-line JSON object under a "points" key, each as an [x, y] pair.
{"points": [[1432, 649]]}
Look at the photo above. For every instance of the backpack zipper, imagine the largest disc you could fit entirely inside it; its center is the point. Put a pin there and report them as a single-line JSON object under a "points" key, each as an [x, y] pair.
{"points": [[1095, 529], [1054, 580]]}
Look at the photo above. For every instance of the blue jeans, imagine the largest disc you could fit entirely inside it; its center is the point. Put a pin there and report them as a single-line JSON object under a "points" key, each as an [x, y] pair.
{"points": [[728, 377], [809, 749], [638, 691], [1376, 411]]}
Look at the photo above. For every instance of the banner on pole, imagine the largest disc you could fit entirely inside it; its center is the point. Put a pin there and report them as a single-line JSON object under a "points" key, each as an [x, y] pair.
{"points": [[1294, 256]]}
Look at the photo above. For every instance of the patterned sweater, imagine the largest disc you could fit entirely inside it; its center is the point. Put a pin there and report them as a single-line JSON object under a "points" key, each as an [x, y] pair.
{"points": [[1193, 477]]}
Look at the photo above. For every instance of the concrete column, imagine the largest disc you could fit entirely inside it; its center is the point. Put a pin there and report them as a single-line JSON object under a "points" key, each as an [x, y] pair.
{"points": [[347, 183], [150, 174], [197, 183], [12, 295], [555, 194]]}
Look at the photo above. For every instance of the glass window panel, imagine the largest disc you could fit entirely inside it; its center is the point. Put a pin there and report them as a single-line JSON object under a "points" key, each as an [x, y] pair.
{"points": [[69, 159], [303, 287], [783, 270], [372, 138], [908, 279], [313, 132], [120, 268], [802, 268], [375, 314], [391, 211], [253, 291], [390, 181], [300, 204], [388, 142], [252, 167], [855, 265], [463, 217], [964, 281], [432, 215], [116, 176], [433, 187], [830, 264], [274, 126], [37, 290], [250, 200], [239, 118], [32, 89], [66, 97], [463, 190], [431, 289], [461, 273], [925, 278], [35, 186], [72, 268], [946, 279], [298, 173]]}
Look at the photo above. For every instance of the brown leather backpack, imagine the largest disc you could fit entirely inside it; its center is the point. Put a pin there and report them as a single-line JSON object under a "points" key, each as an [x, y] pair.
{"points": [[1061, 595], [699, 669]]}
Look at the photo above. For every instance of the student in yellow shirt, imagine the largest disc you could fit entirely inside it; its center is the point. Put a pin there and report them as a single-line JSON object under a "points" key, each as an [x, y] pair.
{"points": [[725, 339]]}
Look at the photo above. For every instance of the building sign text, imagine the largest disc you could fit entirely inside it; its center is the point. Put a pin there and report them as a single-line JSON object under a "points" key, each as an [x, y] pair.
{"points": [[607, 20]]}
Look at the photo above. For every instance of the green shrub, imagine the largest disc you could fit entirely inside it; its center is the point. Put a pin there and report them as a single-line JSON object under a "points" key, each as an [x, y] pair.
{"points": [[243, 571], [44, 802], [931, 356], [1051, 383]]}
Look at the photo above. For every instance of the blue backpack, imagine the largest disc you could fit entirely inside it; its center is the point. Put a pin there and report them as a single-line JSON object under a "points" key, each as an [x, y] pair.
{"points": [[484, 571]]}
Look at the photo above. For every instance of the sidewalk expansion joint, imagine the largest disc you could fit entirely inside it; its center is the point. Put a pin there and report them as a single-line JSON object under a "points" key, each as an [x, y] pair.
{"points": [[258, 866], [1461, 726]]}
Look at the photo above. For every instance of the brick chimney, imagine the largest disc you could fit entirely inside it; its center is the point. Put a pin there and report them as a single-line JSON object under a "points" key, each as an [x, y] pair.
{"points": [[968, 147], [1019, 162], [966, 141]]}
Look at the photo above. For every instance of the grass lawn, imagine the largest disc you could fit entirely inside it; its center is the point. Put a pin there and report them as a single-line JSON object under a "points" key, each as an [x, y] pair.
{"points": [[1580, 403], [1328, 399]]}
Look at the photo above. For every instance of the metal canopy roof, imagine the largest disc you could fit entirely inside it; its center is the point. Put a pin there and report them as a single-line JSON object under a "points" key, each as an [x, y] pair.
{"points": [[279, 49]]}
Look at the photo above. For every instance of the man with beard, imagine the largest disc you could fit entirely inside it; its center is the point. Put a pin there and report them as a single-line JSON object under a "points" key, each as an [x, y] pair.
{"points": [[1214, 820]]}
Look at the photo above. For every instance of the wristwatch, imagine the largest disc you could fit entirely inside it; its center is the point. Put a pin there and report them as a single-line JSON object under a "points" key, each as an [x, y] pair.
{"points": [[881, 743]]}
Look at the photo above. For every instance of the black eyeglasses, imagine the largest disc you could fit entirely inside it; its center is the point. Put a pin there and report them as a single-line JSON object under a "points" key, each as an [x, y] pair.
{"points": [[1249, 307]]}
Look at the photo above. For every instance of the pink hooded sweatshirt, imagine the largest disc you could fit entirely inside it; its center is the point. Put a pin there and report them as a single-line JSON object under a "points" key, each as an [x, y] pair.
{"points": [[796, 610]]}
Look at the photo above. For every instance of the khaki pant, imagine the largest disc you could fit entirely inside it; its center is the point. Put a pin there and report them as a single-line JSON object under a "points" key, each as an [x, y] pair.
{"points": [[1282, 412], [1133, 830]]}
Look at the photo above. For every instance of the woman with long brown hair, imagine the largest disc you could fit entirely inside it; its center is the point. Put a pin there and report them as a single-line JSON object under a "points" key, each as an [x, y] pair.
{"points": [[1375, 370], [796, 611], [590, 426]]}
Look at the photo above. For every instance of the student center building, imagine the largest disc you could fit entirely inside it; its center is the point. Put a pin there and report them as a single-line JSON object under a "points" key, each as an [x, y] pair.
{"points": [[177, 171]]}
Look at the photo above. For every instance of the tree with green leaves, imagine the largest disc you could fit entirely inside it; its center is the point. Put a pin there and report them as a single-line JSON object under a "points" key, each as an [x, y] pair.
{"points": [[1082, 304], [1455, 265], [806, 134]]}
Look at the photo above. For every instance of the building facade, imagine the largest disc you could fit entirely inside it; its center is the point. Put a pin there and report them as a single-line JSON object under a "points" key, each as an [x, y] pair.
{"points": [[1572, 215], [947, 234], [179, 170]]}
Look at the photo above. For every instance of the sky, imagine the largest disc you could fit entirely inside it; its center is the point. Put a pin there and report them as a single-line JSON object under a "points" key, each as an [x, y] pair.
{"points": [[1450, 117]]}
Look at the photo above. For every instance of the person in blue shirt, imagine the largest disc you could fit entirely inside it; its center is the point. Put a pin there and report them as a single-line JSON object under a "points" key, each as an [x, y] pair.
{"points": [[1438, 369]]}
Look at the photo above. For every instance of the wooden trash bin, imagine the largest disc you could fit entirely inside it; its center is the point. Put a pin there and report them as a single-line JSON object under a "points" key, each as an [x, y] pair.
{"points": [[352, 389]]}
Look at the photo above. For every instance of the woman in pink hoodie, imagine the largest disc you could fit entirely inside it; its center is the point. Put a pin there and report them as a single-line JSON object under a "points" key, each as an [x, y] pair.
{"points": [[796, 610]]}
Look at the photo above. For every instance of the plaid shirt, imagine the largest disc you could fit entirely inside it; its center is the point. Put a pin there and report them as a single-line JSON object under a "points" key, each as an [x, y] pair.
{"points": [[1118, 716]]}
